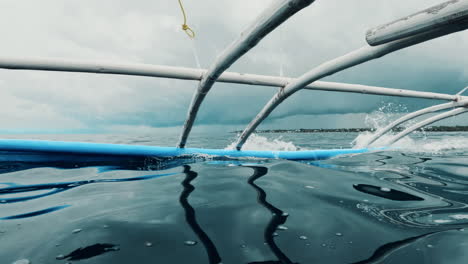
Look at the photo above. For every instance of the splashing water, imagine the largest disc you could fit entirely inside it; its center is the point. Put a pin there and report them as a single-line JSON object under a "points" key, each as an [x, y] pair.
{"points": [[377, 120], [390, 112], [256, 142], [384, 115]]}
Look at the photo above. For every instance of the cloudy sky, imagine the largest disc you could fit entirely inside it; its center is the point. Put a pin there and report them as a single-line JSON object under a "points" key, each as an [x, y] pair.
{"points": [[145, 31]]}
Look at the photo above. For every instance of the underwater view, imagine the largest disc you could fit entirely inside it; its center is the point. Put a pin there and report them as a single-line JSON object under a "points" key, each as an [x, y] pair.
{"points": [[407, 204]]}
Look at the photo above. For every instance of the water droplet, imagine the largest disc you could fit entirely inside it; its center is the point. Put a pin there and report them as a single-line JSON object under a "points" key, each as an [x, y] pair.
{"points": [[60, 257], [429, 246], [77, 230], [22, 261], [385, 189], [282, 227], [116, 248], [275, 234], [303, 237], [148, 244], [190, 243], [339, 234]]}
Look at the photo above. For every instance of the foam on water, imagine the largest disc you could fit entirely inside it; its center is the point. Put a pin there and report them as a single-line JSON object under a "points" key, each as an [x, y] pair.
{"points": [[256, 142], [390, 112], [419, 145]]}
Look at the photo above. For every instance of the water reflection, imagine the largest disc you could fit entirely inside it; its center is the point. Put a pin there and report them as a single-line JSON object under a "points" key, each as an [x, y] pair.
{"points": [[58, 187], [386, 193], [384, 157], [49, 189], [35, 213], [190, 217], [384, 251], [421, 159], [89, 251], [278, 218]]}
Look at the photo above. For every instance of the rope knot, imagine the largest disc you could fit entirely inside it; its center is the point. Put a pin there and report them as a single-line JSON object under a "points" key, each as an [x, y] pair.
{"points": [[185, 27]]}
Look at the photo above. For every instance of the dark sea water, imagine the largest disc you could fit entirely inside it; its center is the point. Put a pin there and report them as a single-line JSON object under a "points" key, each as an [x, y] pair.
{"points": [[407, 205]]}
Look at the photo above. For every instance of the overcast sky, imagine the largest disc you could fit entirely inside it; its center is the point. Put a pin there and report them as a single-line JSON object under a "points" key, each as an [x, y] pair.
{"points": [[147, 31]]}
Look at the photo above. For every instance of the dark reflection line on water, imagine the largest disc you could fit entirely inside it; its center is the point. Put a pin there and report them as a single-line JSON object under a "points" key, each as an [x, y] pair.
{"points": [[422, 159], [278, 218], [89, 251], [381, 160], [60, 187], [384, 251], [190, 217], [390, 194], [35, 213]]}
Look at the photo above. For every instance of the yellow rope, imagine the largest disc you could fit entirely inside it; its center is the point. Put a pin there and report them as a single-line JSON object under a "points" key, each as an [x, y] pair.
{"points": [[185, 27]]}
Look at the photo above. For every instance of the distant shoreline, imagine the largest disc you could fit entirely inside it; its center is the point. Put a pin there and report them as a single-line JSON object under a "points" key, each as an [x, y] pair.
{"points": [[346, 130]]}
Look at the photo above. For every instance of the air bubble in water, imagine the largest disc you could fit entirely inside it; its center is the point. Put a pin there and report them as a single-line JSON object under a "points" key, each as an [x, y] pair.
{"points": [[60, 257], [22, 261], [429, 246], [339, 234], [303, 237], [77, 230], [385, 189], [282, 227], [148, 244], [190, 243]]}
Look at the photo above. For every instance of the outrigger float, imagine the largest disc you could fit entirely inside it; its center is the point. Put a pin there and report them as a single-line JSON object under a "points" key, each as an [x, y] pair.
{"points": [[440, 20]]}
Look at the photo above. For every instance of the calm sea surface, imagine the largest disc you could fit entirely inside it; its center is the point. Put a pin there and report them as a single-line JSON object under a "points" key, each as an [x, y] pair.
{"points": [[408, 205]]}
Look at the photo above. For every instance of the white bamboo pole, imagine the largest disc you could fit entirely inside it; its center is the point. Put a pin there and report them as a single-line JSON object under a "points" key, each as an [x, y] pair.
{"points": [[351, 59], [428, 121], [133, 69], [263, 25], [379, 133], [451, 13]]}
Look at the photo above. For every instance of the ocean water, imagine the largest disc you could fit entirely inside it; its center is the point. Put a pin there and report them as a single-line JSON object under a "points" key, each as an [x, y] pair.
{"points": [[405, 205]]}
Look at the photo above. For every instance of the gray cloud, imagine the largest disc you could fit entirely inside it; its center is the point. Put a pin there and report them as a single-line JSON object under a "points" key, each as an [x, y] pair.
{"points": [[149, 32]]}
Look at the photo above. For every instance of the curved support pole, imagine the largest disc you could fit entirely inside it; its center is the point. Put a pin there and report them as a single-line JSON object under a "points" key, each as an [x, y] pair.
{"points": [[267, 22], [410, 116], [454, 112], [351, 59]]}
